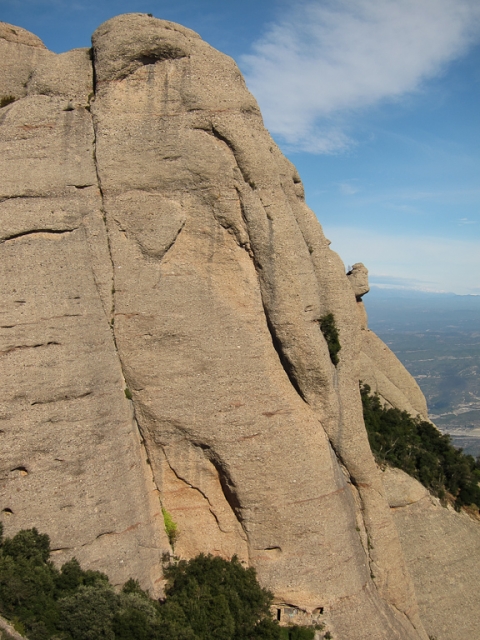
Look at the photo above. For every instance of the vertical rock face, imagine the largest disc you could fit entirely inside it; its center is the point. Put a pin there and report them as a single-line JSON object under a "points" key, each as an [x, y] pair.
{"points": [[442, 549], [154, 238], [72, 463]]}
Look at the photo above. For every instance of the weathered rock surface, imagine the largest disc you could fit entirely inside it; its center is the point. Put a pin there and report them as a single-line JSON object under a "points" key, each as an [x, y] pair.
{"points": [[381, 369], [72, 463], [20, 53], [442, 549], [154, 238]]}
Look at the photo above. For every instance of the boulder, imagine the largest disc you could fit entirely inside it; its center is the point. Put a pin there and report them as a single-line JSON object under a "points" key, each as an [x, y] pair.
{"points": [[358, 278], [20, 52]]}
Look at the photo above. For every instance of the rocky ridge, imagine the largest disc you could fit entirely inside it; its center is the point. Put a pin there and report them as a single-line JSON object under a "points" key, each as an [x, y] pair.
{"points": [[162, 284]]}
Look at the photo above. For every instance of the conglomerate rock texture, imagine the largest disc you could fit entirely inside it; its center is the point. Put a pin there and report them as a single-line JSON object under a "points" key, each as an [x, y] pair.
{"points": [[162, 283], [442, 550]]}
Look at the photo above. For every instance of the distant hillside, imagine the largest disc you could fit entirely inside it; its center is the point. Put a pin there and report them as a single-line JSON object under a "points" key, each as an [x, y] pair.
{"points": [[437, 337]]}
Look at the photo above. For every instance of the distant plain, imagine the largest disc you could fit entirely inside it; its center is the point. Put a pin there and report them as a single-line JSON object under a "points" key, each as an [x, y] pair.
{"points": [[437, 337]]}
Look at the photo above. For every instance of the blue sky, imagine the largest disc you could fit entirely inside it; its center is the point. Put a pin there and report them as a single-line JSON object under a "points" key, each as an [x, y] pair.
{"points": [[375, 101]]}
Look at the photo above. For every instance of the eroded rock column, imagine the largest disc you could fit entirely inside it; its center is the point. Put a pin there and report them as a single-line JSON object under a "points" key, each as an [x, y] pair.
{"points": [[72, 462], [220, 278]]}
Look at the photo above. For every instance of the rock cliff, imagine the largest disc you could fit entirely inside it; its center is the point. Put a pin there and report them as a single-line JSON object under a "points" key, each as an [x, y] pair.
{"points": [[442, 550], [162, 286]]}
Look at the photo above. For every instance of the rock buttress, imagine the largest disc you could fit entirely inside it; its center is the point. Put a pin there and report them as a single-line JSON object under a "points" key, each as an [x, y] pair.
{"points": [[379, 367], [221, 276], [157, 239], [442, 550], [72, 462], [441, 546]]}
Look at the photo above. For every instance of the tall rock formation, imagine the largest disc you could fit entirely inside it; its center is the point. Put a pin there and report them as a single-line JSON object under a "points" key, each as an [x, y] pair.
{"points": [[163, 283], [442, 550], [72, 463]]}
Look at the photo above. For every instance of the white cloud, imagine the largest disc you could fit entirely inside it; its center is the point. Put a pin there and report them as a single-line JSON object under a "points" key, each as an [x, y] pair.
{"points": [[347, 188], [427, 263], [325, 58]]}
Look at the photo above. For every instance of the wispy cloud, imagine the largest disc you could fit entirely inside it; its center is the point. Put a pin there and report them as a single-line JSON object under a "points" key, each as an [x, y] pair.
{"points": [[347, 188], [326, 58], [405, 199], [394, 281]]}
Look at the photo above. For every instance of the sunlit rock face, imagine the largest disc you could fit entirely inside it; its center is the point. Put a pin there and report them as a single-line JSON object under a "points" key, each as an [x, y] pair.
{"points": [[163, 283], [442, 550]]}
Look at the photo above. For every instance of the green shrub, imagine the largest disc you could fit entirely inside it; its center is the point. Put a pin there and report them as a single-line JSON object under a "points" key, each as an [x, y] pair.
{"points": [[417, 447], [207, 598], [31, 587], [170, 527], [330, 333], [297, 633], [88, 612], [5, 100], [220, 599], [28, 544]]}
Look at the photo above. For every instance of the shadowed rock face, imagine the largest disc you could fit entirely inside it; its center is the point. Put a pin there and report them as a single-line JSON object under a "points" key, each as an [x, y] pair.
{"points": [[154, 238]]}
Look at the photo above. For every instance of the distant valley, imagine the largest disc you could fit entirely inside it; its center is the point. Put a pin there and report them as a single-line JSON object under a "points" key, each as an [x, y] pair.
{"points": [[437, 338]]}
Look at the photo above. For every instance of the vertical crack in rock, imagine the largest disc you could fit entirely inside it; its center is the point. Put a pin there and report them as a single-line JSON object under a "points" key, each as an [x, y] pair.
{"points": [[229, 489], [285, 361], [104, 216], [363, 520], [196, 488], [112, 309]]}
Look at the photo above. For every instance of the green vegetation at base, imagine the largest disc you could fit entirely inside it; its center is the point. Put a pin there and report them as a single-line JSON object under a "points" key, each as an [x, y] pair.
{"points": [[417, 447], [207, 598], [297, 633], [330, 333]]}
